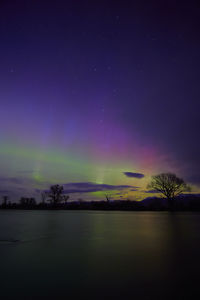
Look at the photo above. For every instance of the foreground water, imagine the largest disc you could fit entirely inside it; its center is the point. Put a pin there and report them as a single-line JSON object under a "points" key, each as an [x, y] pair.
{"points": [[99, 255]]}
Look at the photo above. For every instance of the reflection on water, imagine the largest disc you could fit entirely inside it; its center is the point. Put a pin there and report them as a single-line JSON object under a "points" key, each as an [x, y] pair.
{"points": [[99, 255]]}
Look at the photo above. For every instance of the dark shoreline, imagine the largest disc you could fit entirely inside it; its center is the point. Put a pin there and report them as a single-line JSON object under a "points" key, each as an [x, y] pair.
{"points": [[150, 204]]}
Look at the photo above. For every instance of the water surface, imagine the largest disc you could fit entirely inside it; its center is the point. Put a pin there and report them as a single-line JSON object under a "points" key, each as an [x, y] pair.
{"points": [[99, 255]]}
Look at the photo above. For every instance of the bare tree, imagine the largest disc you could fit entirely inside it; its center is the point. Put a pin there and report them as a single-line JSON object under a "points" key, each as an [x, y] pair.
{"points": [[5, 200], [44, 196], [169, 185], [108, 197], [55, 193], [65, 198]]}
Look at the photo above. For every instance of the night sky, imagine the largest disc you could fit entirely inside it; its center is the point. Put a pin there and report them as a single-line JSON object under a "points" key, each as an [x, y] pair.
{"points": [[98, 96]]}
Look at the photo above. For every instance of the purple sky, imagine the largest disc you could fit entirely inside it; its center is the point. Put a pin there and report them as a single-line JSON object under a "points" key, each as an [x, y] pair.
{"points": [[92, 88]]}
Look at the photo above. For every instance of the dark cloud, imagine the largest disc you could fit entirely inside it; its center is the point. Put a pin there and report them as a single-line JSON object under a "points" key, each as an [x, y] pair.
{"points": [[134, 175], [14, 193], [22, 181], [4, 191], [89, 187], [151, 192], [11, 180], [69, 188]]}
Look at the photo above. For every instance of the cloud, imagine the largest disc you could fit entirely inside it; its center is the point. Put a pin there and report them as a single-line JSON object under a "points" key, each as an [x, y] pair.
{"points": [[11, 180], [152, 192], [4, 191], [17, 187], [21, 181], [134, 175], [89, 187]]}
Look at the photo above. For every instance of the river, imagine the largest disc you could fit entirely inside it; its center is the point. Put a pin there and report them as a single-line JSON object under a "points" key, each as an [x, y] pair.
{"points": [[99, 255]]}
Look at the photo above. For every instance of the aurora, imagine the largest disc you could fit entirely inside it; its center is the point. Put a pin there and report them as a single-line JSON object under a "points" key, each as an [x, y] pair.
{"points": [[94, 101]]}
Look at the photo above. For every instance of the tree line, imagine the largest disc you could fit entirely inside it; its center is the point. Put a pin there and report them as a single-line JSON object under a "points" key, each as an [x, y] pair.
{"points": [[166, 184]]}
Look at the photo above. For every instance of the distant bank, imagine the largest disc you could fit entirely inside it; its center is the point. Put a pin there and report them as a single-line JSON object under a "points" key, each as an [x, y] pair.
{"points": [[183, 203]]}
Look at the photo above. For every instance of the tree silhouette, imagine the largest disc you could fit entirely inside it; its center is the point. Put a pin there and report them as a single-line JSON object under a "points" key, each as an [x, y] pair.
{"points": [[55, 193], [169, 185], [44, 195], [108, 197], [5, 200], [65, 198], [25, 201]]}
